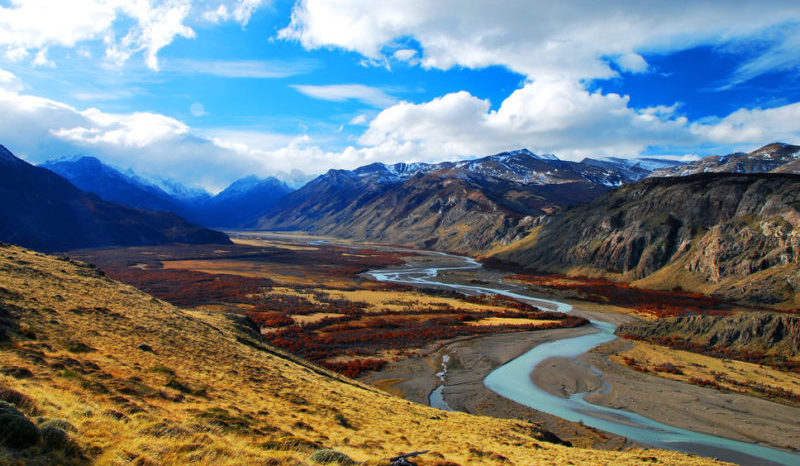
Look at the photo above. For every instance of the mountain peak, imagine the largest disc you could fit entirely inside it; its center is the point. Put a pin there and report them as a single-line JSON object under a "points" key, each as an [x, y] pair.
{"points": [[503, 156]]}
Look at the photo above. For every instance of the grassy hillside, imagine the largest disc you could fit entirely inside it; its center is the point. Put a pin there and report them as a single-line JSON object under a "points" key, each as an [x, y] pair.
{"points": [[131, 379]]}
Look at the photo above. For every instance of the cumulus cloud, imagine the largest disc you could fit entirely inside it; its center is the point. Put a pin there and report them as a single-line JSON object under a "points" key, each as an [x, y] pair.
{"points": [[544, 116], [34, 25], [558, 47], [745, 126], [536, 38]]}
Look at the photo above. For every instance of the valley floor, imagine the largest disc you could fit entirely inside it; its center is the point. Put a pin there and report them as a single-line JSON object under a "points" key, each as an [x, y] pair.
{"points": [[684, 405], [307, 288]]}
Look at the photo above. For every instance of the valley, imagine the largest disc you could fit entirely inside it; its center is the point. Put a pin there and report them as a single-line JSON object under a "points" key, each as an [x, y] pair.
{"points": [[587, 293], [315, 301], [348, 232]]}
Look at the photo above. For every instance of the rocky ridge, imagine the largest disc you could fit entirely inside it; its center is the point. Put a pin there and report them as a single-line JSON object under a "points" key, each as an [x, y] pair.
{"points": [[731, 235], [770, 158]]}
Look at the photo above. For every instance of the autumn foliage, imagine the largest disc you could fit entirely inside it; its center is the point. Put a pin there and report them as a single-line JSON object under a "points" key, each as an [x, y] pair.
{"points": [[657, 303], [348, 336]]}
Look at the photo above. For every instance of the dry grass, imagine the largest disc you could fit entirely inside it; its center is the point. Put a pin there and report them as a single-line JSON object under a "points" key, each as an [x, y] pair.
{"points": [[728, 374], [211, 392], [512, 321], [280, 273], [378, 301]]}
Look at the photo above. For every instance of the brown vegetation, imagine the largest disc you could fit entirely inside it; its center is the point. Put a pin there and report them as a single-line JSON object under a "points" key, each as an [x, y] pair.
{"points": [[363, 324], [650, 303], [713, 372], [164, 385]]}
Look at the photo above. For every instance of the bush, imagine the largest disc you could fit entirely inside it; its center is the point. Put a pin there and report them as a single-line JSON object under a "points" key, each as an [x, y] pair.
{"points": [[327, 455], [54, 438], [343, 421], [19, 400], [59, 423], [16, 430]]}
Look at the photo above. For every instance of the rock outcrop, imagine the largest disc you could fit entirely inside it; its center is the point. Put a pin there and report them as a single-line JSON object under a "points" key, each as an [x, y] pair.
{"points": [[747, 333], [733, 235]]}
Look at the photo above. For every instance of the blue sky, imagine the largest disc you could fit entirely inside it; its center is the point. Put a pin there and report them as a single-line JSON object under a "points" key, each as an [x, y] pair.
{"points": [[209, 91]]}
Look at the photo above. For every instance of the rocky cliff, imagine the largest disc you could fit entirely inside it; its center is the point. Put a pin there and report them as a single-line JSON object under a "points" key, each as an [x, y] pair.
{"points": [[746, 333], [726, 234]]}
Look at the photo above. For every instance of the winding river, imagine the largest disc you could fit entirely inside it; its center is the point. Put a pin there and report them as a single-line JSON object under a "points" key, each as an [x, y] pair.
{"points": [[513, 381]]}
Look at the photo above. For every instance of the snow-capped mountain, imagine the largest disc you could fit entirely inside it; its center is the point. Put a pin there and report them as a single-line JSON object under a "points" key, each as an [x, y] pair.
{"points": [[771, 157], [241, 201], [90, 174], [467, 205]]}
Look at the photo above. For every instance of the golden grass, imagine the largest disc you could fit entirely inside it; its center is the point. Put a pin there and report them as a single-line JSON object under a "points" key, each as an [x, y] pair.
{"points": [[511, 321], [313, 318], [738, 375], [520, 245], [212, 392], [411, 301]]}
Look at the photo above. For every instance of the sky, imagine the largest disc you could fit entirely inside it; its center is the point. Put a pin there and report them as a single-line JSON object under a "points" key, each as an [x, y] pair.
{"points": [[209, 91]]}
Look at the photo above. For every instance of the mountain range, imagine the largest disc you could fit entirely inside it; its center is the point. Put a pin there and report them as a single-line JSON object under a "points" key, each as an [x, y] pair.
{"points": [[43, 211], [465, 206], [777, 157], [239, 203], [469, 206]]}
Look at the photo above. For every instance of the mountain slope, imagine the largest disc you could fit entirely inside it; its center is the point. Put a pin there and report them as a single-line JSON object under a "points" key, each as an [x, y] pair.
{"points": [[125, 377], [43, 211], [89, 174], [240, 203], [732, 235], [464, 206], [763, 160]]}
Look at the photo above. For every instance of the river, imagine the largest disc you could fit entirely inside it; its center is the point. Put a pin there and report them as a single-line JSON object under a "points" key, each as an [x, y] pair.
{"points": [[513, 381]]}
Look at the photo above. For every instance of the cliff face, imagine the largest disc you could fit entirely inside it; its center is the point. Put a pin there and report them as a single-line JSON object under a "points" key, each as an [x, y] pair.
{"points": [[733, 235], [749, 333]]}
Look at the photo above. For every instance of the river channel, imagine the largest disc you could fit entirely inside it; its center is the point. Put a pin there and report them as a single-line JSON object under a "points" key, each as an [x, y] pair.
{"points": [[512, 380]]}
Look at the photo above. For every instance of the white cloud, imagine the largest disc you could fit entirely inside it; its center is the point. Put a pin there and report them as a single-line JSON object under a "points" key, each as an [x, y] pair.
{"points": [[405, 55], [544, 116], [42, 60], [240, 10], [218, 15], [240, 68], [341, 92], [9, 81], [746, 126], [558, 47], [632, 62], [197, 109], [535, 38], [125, 27], [359, 120], [780, 56]]}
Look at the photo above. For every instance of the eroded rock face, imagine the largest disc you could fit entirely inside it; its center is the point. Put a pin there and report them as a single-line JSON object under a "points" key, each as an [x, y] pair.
{"points": [[766, 332], [720, 228], [743, 249]]}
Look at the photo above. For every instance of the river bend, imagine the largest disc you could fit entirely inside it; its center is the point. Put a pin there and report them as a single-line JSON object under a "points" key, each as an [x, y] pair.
{"points": [[512, 380]]}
